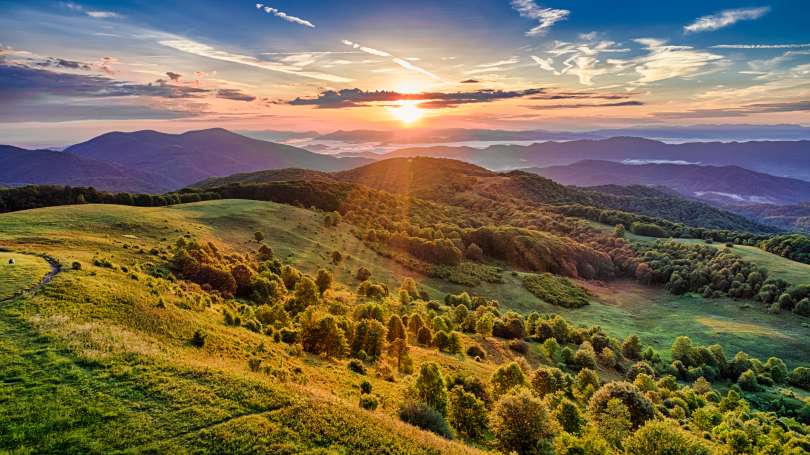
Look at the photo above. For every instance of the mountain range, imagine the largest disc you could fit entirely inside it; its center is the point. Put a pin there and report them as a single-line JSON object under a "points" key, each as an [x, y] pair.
{"points": [[154, 162], [782, 158], [720, 184]]}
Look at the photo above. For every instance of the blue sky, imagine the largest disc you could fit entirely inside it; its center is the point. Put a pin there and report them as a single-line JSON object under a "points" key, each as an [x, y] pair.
{"points": [[73, 69]]}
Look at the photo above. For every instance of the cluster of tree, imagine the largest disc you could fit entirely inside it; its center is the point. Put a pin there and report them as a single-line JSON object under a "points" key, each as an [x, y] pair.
{"points": [[716, 272], [36, 196], [795, 247], [556, 290], [564, 405]]}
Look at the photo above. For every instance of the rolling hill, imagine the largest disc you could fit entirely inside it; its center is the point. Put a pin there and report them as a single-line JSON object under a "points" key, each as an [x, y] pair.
{"points": [[720, 184]]}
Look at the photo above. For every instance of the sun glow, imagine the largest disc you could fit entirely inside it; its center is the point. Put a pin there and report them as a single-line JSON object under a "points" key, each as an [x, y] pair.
{"points": [[407, 112]]}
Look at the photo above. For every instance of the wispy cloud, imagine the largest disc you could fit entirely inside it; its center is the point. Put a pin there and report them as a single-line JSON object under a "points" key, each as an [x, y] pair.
{"points": [[724, 19], [741, 111], [203, 50], [92, 13], [760, 46], [546, 17], [347, 98], [282, 15], [666, 62], [580, 59], [545, 63], [584, 105], [398, 60]]}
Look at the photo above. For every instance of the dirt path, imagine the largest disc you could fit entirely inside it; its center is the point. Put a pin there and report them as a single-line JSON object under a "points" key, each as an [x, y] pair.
{"points": [[55, 269]]}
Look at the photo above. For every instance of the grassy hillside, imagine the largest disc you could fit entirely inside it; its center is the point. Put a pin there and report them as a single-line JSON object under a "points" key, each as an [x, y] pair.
{"points": [[116, 332], [24, 274]]}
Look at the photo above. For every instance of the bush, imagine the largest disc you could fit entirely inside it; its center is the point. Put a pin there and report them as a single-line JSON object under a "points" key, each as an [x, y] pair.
{"points": [[519, 346], [368, 401], [638, 368], [549, 380], [476, 351], [556, 290], [357, 366], [663, 438], [800, 377], [76, 265], [506, 378], [639, 406], [363, 274], [748, 381], [467, 415], [425, 417], [424, 337], [521, 423], [198, 339], [430, 387]]}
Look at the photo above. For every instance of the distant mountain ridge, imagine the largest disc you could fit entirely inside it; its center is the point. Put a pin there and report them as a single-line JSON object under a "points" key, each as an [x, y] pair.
{"points": [[781, 158], [183, 159], [720, 184], [20, 167], [153, 162]]}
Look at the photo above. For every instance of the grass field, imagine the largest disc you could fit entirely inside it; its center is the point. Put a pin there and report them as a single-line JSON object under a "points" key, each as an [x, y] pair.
{"points": [[24, 274], [95, 364]]}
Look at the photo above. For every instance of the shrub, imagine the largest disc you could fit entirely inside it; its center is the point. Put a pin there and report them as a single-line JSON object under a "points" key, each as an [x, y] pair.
{"points": [[476, 350], [369, 336], [639, 406], [556, 290], [748, 381], [362, 274], [440, 340], [258, 235], [467, 413], [585, 357], [631, 348], [507, 377], [800, 377], [663, 438], [365, 387], [549, 380], [424, 337], [358, 367], [76, 265], [325, 337], [368, 401], [323, 279], [519, 346], [568, 416], [454, 344], [521, 423], [198, 339], [430, 387], [638, 368], [423, 416]]}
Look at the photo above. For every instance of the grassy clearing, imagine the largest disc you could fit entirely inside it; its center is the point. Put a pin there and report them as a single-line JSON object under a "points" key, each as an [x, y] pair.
{"points": [[24, 274]]}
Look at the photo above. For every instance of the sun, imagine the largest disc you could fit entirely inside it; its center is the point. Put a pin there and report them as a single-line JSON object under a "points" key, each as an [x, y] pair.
{"points": [[407, 112]]}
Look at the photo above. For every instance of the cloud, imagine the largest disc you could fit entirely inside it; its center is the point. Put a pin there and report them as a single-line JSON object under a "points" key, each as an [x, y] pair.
{"points": [[641, 162], [174, 77], [19, 82], [581, 59], [347, 98], [741, 111], [546, 17], [666, 62], [759, 46], [234, 94], [509, 61], [285, 16], [545, 63], [62, 63], [91, 13], [724, 19], [399, 61], [582, 105], [470, 81], [203, 50]]}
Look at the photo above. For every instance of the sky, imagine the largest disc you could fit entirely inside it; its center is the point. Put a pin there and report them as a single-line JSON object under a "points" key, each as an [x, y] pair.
{"points": [[72, 70]]}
